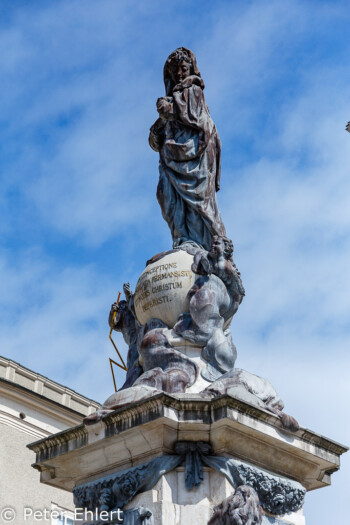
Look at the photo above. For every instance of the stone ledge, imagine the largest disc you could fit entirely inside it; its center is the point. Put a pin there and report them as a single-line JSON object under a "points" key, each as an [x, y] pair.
{"points": [[130, 435]]}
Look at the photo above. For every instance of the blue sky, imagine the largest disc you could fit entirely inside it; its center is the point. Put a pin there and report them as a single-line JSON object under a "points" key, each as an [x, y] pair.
{"points": [[79, 82]]}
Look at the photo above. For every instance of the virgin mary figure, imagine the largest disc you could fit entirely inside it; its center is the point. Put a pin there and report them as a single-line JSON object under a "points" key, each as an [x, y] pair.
{"points": [[189, 149]]}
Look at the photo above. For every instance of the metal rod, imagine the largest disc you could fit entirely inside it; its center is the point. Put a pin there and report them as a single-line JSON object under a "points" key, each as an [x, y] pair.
{"points": [[123, 367], [110, 362]]}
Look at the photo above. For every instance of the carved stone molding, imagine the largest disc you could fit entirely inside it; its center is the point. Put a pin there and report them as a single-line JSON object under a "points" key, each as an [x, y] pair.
{"points": [[277, 495], [150, 428], [115, 491]]}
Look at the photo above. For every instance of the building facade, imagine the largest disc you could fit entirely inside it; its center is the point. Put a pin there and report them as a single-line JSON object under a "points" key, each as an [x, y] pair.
{"points": [[33, 407]]}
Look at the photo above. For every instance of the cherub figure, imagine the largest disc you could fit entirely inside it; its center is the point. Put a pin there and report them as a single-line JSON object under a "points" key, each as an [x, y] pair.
{"points": [[214, 299]]}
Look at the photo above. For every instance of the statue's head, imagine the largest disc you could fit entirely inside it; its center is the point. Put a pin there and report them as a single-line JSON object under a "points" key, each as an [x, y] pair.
{"points": [[179, 65], [221, 246], [228, 248]]}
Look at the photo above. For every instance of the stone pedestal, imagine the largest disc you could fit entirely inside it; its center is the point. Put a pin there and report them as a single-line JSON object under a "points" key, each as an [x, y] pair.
{"points": [[171, 504], [119, 452]]}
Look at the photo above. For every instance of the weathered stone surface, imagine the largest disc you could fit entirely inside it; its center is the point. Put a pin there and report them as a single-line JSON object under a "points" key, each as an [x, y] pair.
{"points": [[176, 326], [161, 291], [138, 516], [276, 494], [151, 427], [125, 439], [212, 296], [193, 451], [253, 389]]}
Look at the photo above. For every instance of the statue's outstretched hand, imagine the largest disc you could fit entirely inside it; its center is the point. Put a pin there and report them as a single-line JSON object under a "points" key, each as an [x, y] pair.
{"points": [[127, 291]]}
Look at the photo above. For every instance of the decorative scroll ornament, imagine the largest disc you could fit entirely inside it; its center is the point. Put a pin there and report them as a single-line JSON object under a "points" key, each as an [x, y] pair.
{"points": [[276, 494]]}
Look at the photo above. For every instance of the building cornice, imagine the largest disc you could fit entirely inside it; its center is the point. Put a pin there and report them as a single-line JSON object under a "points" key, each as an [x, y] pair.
{"points": [[34, 385], [38, 401]]}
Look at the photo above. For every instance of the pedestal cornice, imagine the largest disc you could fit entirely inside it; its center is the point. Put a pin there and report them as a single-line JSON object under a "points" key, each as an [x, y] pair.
{"points": [[150, 428]]}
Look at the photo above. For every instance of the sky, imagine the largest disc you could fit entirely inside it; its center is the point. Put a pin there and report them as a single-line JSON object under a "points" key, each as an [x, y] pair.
{"points": [[79, 216]]}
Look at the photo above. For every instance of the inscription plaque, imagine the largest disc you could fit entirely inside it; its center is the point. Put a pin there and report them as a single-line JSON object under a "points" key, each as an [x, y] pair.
{"points": [[161, 291]]}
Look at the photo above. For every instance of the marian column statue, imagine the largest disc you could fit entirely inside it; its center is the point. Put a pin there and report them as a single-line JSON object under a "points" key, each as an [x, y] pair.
{"points": [[189, 150], [187, 296]]}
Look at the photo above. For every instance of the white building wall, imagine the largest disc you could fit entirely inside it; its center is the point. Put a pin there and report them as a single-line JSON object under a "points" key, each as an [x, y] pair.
{"points": [[20, 485], [32, 407]]}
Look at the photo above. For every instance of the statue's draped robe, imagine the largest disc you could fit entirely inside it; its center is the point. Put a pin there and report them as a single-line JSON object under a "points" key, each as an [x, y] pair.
{"points": [[189, 167]]}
